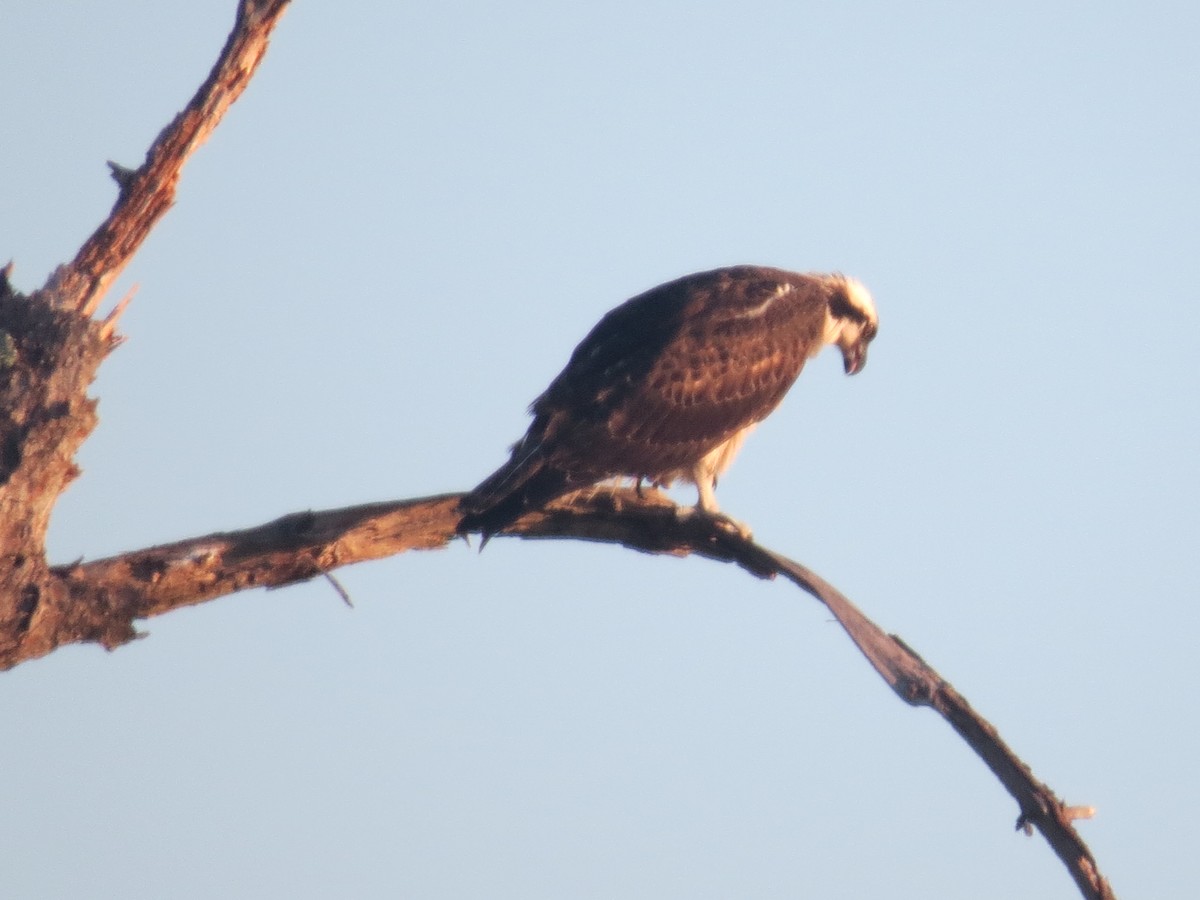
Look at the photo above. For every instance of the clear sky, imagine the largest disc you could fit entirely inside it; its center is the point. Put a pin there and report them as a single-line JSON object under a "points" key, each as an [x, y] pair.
{"points": [[388, 249]]}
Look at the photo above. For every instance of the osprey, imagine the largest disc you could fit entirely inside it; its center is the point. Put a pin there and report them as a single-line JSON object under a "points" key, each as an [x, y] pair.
{"points": [[668, 385]]}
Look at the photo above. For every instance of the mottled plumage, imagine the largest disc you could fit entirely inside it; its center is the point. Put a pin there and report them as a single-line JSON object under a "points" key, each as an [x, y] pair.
{"points": [[667, 385]]}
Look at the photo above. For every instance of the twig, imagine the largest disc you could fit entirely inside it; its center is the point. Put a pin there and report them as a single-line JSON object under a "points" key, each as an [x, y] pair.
{"points": [[341, 590], [109, 325]]}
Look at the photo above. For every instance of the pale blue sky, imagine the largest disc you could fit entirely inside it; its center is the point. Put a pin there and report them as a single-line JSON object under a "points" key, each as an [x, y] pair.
{"points": [[389, 248]]}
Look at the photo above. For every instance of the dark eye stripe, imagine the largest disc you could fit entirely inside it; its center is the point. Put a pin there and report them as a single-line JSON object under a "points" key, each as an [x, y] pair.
{"points": [[842, 308]]}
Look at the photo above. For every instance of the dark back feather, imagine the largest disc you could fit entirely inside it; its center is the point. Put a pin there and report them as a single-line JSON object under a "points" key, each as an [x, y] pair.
{"points": [[676, 371]]}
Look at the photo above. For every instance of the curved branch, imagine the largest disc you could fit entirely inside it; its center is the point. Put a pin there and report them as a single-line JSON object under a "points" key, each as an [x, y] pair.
{"points": [[110, 594]]}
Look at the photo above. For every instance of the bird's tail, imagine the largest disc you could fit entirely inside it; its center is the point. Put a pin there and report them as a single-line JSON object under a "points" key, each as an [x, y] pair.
{"points": [[526, 482]]}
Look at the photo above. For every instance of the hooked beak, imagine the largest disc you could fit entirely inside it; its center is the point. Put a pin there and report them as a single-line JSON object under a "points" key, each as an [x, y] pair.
{"points": [[855, 357]]}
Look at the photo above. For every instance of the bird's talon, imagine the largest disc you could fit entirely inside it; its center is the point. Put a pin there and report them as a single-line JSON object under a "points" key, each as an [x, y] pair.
{"points": [[725, 523], [733, 526]]}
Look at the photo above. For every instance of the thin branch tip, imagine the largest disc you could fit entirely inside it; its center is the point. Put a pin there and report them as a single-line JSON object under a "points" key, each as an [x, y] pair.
{"points": [[122, 175], [340, 589], [109, 325]]}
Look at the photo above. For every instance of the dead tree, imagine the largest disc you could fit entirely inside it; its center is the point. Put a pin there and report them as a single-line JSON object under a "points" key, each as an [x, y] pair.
{"points": [[51, 346]]}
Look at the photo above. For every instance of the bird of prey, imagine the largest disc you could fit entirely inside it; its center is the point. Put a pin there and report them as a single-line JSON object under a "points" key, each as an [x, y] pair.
{"points": [[668, 384]]}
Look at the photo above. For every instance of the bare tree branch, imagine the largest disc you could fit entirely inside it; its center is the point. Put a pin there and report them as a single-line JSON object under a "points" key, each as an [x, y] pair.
{"points": [[147, 192], [51, 348], [110, 594]]}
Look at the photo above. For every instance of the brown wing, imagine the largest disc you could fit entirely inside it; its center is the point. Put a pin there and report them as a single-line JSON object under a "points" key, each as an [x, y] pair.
{"points": [[672, 373]]}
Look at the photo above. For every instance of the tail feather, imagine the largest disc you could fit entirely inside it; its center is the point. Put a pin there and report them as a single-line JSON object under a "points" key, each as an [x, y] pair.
{"points": [[525, 482]]}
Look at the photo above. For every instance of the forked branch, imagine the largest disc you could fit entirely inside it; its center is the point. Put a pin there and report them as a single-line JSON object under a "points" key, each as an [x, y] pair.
{"points": [[51, 347]]}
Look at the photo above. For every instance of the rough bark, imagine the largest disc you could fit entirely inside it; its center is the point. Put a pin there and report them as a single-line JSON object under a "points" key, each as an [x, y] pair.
{"points": [[45, 414], [111, 594], [50, 350]]}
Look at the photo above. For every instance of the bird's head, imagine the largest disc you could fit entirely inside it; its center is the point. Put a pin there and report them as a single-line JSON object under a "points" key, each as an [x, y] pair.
{"points": [[852, 321]]}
